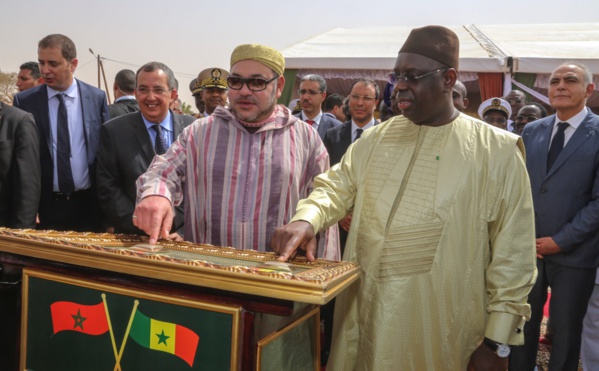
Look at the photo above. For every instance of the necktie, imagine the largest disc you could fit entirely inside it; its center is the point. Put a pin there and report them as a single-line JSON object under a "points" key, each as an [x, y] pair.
{"points": [[557, 144], [63, 149], [311, 122], [358, 134], [159, 144]]}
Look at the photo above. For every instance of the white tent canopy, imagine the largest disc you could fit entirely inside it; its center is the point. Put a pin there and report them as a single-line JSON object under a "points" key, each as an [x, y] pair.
{"points": [[534, 48]]}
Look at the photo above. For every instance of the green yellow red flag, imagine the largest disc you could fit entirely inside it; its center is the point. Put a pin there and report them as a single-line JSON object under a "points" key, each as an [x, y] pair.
{"points": [[164, 336]]}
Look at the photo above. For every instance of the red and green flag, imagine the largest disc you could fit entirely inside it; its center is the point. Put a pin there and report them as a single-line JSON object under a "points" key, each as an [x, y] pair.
{"points": [[88, 319], [164, 336]]}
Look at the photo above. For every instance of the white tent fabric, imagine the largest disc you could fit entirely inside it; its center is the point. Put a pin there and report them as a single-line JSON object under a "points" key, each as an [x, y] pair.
{"points": [[532, 48], [539, 48]]}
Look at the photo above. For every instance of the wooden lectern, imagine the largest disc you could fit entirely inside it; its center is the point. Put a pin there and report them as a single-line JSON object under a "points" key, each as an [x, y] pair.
{"points": [[112, 302]]}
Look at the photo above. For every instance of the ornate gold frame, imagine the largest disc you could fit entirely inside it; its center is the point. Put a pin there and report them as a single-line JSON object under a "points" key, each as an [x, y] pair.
{"points": [[224, 268]]}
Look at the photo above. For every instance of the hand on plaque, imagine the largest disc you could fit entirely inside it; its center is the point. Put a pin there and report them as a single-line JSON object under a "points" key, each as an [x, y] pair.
{"points": [[288, 238], [154, 215]]}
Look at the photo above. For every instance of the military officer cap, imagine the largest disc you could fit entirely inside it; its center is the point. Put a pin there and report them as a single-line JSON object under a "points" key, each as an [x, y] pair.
{"points": [[495, 104], [213, 77]]}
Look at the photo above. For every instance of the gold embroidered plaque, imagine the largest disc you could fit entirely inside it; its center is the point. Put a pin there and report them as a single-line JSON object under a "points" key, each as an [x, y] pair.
{"points": [[224, 268]]}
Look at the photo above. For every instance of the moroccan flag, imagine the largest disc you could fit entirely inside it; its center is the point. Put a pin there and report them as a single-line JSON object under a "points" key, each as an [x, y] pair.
{"points": [[164, 336], [88, 319]]}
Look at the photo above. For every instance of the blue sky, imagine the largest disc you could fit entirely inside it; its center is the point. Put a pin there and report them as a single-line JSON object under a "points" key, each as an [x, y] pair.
{"points": [[189, 36]]}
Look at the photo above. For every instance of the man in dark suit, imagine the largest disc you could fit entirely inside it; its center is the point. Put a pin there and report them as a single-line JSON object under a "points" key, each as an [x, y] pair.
{"points": [[19, 168], [562, 157], [19, 198], [129, 143], [333, 107], [124, 101], [312, 92], [363, 100], [68, 114]]}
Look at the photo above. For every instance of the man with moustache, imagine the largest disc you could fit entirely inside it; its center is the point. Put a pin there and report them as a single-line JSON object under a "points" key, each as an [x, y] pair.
{"points": [[240, 171], [442, 228], [312, 92]]}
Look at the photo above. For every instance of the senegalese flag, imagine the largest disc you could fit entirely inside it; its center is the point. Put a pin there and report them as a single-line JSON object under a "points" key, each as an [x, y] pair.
{"points": [[88, 319], [165, 337]]}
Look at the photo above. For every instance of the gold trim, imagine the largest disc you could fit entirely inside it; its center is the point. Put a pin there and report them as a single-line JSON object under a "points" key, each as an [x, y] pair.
{"points": [[313, 282], [212, 82], [277, 334], [234, 311]]}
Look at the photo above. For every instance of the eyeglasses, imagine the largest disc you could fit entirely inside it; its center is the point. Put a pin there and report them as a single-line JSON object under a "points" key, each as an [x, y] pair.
{"points": [[492, 119], [253, 83], [309, 92], [410, 78], [526, 118], [365, 98], [516, 101], [156, 90]]}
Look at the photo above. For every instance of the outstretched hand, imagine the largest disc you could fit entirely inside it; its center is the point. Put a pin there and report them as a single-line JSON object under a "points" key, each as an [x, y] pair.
{"points": [[154, 215], [288, 238]]}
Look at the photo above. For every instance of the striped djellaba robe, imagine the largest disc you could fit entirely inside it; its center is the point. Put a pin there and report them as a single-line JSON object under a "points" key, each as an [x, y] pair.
{"points": [[237, 187]]}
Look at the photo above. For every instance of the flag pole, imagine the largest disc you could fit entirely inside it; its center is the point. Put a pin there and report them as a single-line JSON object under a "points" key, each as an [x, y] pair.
{"points": [[118, 359], [117, 366]]}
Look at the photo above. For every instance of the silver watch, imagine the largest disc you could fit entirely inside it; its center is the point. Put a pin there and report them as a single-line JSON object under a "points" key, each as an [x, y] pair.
{"points": [[502, 350]]}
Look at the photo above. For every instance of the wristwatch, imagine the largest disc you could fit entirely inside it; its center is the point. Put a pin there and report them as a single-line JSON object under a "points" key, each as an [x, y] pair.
{"points": [[502, 350]]}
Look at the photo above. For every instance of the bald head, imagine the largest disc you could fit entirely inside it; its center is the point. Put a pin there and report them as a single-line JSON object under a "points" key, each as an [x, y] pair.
{"points": [[460, 96]]}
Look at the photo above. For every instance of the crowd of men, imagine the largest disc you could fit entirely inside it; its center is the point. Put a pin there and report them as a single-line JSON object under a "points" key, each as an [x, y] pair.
{"points": [[459, 225]]}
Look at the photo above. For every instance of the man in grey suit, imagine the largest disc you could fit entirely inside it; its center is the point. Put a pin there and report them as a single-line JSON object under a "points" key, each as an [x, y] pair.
{"points": [[68, 114], [129, 143], [562, 158], [312, 92]]}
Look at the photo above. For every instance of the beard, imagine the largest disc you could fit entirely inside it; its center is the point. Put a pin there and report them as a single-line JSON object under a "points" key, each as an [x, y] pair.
{"points": [[262, 110]]}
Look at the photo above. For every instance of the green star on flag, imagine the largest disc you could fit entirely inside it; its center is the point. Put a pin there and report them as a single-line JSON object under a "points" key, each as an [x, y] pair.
{"points": [[78, 320], [162, 338], [165, 337]]}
